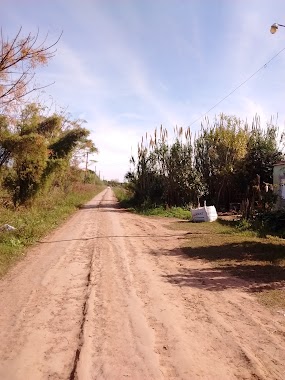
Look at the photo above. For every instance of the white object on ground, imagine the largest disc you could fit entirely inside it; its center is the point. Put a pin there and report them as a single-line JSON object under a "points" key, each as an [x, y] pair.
{"points": [[204, 214], [7, 227]]}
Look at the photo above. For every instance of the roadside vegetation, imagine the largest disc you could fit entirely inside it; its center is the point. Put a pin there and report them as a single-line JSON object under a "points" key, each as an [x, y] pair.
{"points": [[229, 164], [41, 152], [124, 196]]}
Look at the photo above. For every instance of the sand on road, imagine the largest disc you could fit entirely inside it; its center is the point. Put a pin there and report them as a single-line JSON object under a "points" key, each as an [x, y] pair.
{"points": [[107, 296]]}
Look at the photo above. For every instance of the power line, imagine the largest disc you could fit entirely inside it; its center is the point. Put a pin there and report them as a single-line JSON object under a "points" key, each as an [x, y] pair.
{"points": [[219, 102]]}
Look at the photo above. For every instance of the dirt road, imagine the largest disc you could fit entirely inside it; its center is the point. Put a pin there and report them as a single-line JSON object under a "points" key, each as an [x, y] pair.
{"points": [[108, 296]]}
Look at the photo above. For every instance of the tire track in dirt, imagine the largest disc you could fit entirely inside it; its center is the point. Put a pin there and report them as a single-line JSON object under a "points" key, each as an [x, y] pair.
{"points": [[117, 335], [84, 312], [41, 303]]}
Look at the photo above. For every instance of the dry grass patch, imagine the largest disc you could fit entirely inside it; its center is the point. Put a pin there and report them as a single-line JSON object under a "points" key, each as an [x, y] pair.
{"points": [[258, 261]]}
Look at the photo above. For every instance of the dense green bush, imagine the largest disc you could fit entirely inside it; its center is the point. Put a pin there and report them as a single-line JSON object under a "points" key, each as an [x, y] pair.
{"points": [[272, 221]]}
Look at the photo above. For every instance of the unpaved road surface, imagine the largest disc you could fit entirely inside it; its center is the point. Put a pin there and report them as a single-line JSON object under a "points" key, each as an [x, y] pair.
{"points": [[110, 296]]}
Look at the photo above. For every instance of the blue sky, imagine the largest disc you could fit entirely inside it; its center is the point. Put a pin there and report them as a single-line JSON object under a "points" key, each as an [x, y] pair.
{"points": [[128, 66]]}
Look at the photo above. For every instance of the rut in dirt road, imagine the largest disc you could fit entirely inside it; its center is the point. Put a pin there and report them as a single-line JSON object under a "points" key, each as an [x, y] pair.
{"points": [[99, 299]]}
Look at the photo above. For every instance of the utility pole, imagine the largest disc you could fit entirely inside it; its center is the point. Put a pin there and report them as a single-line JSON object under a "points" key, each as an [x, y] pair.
{"points": [[86, 166]]}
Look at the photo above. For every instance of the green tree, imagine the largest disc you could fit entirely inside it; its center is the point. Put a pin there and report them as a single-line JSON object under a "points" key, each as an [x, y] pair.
{"points": [[256, 168], [218, 152], [38, 147], [164, 172], [262, 153]]}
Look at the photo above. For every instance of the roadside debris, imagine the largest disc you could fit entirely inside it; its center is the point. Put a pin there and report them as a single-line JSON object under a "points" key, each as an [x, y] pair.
{"points": [[204, 214], [7, 227]]}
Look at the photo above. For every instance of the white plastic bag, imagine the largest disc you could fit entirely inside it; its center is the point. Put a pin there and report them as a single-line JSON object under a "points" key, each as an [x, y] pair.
{"points": [[7, 227], [204, 214]]}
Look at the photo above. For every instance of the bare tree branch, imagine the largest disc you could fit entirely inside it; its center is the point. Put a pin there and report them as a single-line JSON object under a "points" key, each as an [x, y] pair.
{"points": [[18, 59]]}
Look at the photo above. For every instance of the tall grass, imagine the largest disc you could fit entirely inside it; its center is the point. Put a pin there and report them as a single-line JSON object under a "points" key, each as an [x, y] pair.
{"points": [[124, 196]]}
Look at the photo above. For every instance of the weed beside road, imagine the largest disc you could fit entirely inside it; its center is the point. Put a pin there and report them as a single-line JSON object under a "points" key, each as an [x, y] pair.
{"points": [[126, 201]]}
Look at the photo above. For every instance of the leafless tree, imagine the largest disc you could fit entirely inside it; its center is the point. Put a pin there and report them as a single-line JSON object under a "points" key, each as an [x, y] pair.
{"points": [[19, 56]]}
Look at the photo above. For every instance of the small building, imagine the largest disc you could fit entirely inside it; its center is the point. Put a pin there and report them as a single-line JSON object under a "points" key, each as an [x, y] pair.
{"points": [[279, 183]]}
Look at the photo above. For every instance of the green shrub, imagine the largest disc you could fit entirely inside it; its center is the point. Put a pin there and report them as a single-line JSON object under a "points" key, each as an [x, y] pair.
{"points": [[272, 222]]}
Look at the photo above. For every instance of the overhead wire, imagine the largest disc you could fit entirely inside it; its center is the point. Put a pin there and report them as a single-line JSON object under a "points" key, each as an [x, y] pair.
{"points": [[236, 88]]}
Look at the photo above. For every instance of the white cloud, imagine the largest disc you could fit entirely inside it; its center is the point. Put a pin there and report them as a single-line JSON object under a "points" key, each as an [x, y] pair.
{"points": [[116, 144]]}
